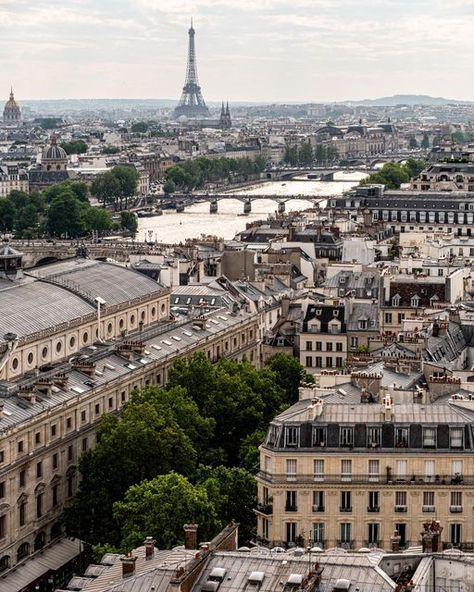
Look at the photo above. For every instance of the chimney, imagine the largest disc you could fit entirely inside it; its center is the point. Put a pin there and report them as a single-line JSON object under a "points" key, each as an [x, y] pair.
{"points": [[149, 548], [306, 390], [85, 367], [128, 565], [200, 321], [315, 409], [27, 393], [190, 536], [388, 409]]}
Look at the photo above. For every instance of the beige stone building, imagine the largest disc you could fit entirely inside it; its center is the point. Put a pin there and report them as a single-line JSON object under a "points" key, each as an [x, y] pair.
{"points": [[51, 405], [350, 475], [12, 178]]}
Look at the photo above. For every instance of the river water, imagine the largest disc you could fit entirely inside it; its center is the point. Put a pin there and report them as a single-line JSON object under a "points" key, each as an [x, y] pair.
{"points": [[196, 219]]}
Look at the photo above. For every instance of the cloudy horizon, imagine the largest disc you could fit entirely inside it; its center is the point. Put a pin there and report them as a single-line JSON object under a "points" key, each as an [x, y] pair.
{"points": [[247, 50]]}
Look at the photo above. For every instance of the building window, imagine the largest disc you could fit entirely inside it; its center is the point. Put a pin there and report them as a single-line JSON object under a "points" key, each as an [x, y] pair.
{"points": [[2, 489], [318, 533], [68, 423], [456, 468], [401, 437], [38, 438], [2, 456], [70, 488], [396, 300], [318, 362], [111, 402], [309, 361], [39, 505], [329, 346], [318, 465], [22, 513], [415, 301], [309, 346], [346, 470], [292, 436], [55, 501], [84, 444], [97, 409], [346, 437], [388, 317], [373, 505], [265, 529], [346, 505], [318, 501], [291, 501], [373, 437], [70, 454], [55, 461], [319, 346], [53, 430], [429, 437], [339, 346], [456, 437], [20, 446], [319, 436], [455, 531], [428, 501], [22, 478], [291, 466], [354, 342], [373, 534], [346, 533], [401, 470], [290, 532], [429, 471], [456, 501], [374, 470], [39, 470], [400, 501], [4, 563]]}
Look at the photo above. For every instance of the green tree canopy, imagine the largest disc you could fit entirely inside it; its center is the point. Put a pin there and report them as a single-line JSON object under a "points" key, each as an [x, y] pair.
{"points": [[106, 188], [97, 219], [289, 374], [7, 215], [129, 221], [75, 147], [65, 216], [169, 186], [160, 507], [141, 127]]}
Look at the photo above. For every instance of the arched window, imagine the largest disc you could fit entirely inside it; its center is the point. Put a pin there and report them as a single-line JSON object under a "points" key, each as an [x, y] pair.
{"points": [[40, 541], [4, 563], [23, 551]]}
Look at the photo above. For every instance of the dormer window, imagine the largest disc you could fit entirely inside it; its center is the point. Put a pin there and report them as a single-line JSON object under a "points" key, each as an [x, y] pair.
{"points": [[335, 313], [292, 436], [318, 312], [396, 300], [415, 301], [363, 323], [433, 300]]}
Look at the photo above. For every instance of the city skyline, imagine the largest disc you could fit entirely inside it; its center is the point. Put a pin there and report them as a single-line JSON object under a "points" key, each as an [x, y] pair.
{"points": [[258, 51]]}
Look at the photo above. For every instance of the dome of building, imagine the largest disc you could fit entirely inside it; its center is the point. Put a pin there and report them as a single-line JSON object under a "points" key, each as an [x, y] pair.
{"points": [[53, 151], [11, 112], [54, 158]]}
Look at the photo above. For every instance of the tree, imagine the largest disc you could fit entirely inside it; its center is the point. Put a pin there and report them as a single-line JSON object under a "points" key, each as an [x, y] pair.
{"points": [[289, 374], [249, 454], [78, 188], [425, 142], [414, 167], [97, 219], [65, 216], [128, 181], [7, 215], [305, 154], [129, 221], [234, 494], [106, 188], [144, 442], [75, 147], [413, 143], [169, 187], [160, 507], [140, 127], [27, 218]]}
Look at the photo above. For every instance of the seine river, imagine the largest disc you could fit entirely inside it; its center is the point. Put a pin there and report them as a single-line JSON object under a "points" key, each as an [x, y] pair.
{"points": [[196, 219]]}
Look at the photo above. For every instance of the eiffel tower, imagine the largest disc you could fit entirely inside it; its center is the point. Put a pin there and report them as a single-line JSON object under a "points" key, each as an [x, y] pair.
{"points": [[191, 103]]}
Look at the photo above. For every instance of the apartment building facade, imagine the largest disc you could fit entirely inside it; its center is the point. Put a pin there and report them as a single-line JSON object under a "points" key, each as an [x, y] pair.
{"points": [[362, 475]]}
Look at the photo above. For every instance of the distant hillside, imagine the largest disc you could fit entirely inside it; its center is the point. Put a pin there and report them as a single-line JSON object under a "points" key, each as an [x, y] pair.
{"points": [[407, 100]]}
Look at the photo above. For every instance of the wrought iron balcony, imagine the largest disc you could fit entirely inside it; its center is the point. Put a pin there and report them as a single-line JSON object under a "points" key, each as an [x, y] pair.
{"points": [[373, 508], [318, 508], [368, 479], [291, 508], [264, 508], [345, 508]]}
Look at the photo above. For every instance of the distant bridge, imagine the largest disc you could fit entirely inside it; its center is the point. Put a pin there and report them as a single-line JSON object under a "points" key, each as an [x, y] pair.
{"points": [[37, 253], [181, 201]]}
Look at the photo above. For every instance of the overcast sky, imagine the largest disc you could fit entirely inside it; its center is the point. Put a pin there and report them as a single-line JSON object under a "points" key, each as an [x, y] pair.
{"points": [[255, 50]]}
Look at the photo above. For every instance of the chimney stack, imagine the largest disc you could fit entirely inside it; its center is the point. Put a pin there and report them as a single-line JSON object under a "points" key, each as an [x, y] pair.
{"points": [[128, 565], [149, 548], [388, 409], [190, 536], [315, 409]]}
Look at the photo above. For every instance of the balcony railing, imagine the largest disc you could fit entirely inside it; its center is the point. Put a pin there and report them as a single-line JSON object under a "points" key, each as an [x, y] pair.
{"points": [[467, 547], [345, 544], [373, 508], [291, 508], [345, 509], [265, 508], [412, 481], [455, 509], [318, 508], [400, 508]]}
